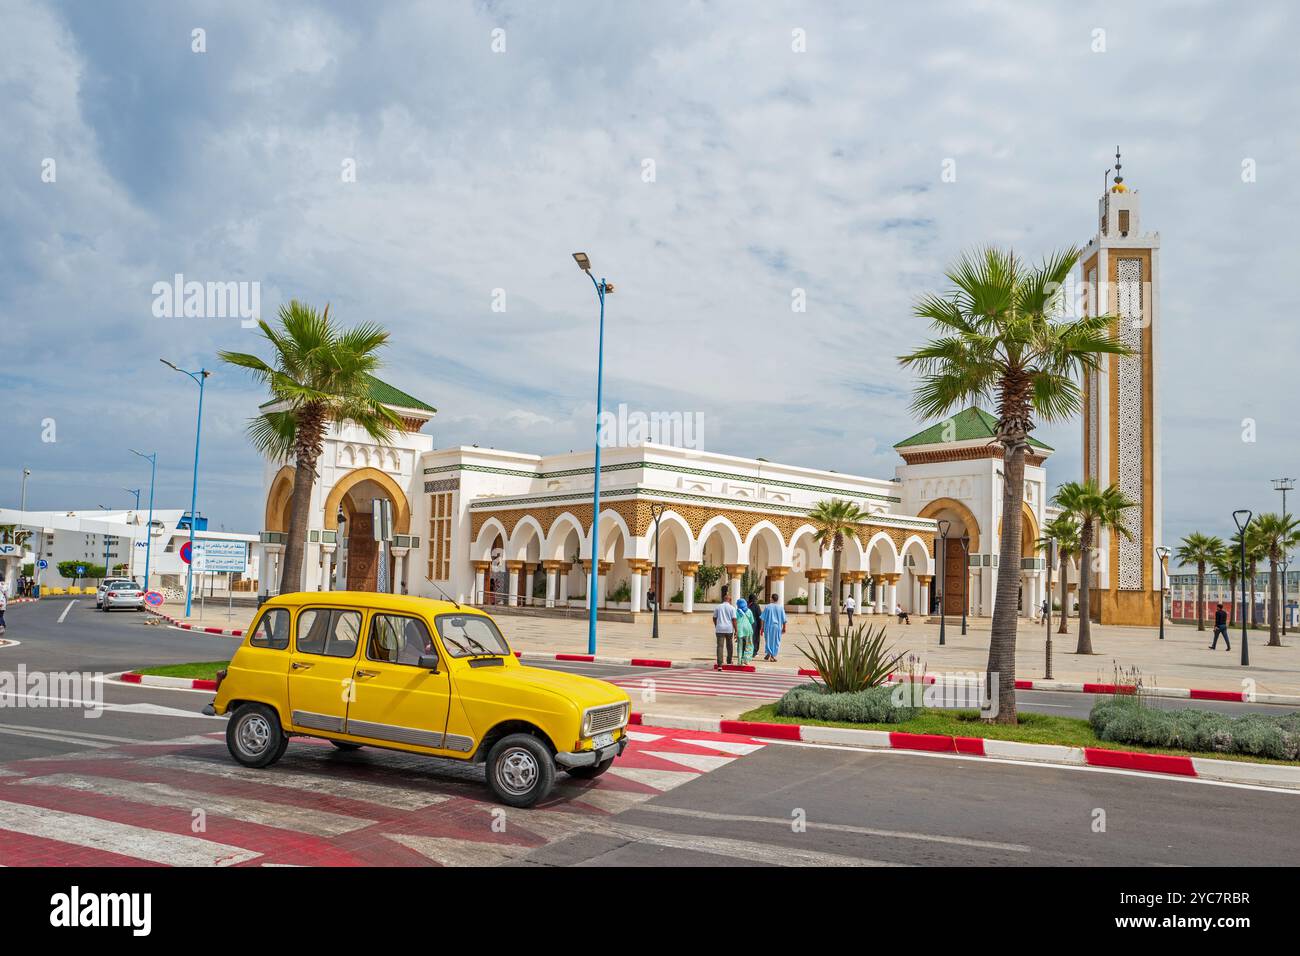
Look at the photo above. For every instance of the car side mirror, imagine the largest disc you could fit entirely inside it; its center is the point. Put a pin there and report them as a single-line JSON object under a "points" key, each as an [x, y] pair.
{"points": [[429, 662]]}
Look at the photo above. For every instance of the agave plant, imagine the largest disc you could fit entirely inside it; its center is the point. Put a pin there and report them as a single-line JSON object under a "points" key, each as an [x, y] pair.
{"points": [[855, 661]]}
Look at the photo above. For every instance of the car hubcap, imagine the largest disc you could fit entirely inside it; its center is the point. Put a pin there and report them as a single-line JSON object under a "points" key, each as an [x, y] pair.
{"points": [[517, 770], [255, 735]]}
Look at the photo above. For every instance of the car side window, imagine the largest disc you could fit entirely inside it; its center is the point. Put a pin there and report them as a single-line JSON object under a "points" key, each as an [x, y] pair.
{"points": [[272, 631], [398, 640], [331, 632]]}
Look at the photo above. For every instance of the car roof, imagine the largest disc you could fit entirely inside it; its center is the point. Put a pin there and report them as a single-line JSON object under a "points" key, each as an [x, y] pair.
{"points": [[370, 599]]}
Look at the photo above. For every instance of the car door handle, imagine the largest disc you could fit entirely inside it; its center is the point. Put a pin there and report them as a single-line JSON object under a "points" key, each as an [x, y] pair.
{"points": [[299, 666], [361, 673]]}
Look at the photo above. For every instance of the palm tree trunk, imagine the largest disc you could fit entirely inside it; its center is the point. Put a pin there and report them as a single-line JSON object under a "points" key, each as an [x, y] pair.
{"points": [[1065, 596], [1002, 641], [1200, 595], [1254, 617], [1232, 600], [836, 552], [1275, 617], [1085, 579]]}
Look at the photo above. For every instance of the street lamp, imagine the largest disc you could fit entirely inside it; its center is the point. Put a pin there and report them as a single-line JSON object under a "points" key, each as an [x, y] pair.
{"points": [[657, 511], [1047, 617], [965, 577], [148, 534], [136, 492], [1163, 553], [27, 473], [108, 563], [603, 288], [1242, 524], [944, 524], [1284, 485], [198, 378]]}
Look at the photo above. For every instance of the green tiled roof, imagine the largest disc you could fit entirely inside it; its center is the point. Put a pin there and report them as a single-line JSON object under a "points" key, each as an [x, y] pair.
{"points": [[386, 394], [973, 424]]}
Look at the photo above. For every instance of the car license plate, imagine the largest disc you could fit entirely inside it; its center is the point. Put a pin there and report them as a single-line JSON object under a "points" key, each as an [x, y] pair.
{"points": [[601, 740]]}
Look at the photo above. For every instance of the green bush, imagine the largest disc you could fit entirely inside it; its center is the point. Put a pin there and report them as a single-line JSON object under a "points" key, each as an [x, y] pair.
{"points": [[799, 601], [622, 592], [872, 706], [1130, 720]]}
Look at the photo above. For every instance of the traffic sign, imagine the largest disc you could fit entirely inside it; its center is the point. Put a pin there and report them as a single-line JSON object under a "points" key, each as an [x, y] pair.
{"points": [[221, 556], [185, 552], [154, 598], [42, 564], [81, 569]]}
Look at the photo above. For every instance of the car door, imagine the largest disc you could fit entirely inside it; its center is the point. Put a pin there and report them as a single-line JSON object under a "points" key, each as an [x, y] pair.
{"points": [[395, 698], [326, 640]]}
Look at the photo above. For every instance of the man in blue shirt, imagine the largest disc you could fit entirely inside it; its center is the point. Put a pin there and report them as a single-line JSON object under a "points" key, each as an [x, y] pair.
{"points": [[773, 627], [724, 626]]}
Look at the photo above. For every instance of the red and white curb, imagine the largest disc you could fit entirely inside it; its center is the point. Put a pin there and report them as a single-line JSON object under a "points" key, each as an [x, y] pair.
{"points": [[1227, 771], [23, 600], [195, 627], [602, 659], [154, 680]]}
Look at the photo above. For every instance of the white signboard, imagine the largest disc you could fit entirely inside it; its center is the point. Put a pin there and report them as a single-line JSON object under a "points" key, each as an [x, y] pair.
{"points": [[221, 556]]}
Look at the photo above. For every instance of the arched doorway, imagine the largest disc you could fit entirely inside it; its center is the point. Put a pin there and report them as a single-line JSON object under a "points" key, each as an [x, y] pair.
{"points": [[956, 571], [359, 553]]}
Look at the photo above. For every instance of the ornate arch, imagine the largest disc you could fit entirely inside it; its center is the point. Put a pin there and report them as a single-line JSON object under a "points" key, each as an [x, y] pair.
{"points": [[1029, 531], [277, 500], [401, 507], [967, 516]]}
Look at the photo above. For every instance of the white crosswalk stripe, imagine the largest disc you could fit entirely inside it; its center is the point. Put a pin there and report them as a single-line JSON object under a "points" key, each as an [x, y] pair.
{"points": [[707, 682], [701, 762]]}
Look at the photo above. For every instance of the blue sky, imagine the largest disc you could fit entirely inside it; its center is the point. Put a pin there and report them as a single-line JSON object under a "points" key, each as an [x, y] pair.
{"points": [[480, 170]]}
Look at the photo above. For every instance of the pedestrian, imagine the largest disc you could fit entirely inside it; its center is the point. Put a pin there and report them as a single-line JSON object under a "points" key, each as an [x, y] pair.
{"points": [[773, 627], [1042, 612], [744, 631], [1221, 627], [850, 606], [4, 602], [651, 598], [724, 627], [903, 616], [757, 611]]}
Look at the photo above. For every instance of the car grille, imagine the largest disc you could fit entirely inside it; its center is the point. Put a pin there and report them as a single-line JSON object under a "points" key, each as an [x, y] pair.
{"points": [[606, 718]]}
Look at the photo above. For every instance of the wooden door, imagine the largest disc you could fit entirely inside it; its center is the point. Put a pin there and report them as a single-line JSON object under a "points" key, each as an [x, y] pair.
{"points": [[954, 567], [363, 553]]}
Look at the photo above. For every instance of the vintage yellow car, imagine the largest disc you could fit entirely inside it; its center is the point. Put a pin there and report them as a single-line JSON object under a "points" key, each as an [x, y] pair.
{"points": [[417, 675]]}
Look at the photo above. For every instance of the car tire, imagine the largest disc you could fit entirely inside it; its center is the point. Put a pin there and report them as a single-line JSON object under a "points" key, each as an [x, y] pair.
{"points": [[345, 745], [520, 770], [590, 773], [254, 736]]}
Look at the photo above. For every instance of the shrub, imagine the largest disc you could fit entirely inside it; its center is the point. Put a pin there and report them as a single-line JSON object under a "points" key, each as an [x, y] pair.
{"points": [[874, 705], [799, 601], [622, 593], [1129, 720], [856, 661]]}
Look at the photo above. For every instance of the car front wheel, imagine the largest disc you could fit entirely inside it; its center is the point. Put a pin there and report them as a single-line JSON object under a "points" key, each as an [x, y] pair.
{"points": [[520, 770], [254, 736]]}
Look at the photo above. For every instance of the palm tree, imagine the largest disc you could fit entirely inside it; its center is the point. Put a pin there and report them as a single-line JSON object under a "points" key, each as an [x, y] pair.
{"points": [[1227, 565], [1001, 333], [833, 519], [1276, 534], [1096, 511], [319, 374], [1064, 530], [1200, 550]]}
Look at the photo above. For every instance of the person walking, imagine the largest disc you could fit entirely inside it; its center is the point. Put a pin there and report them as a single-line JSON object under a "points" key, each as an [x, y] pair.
{"points": [[744, 631], [1221, 627], [4, 602], [757, 611], [773, 627], [850, 606], [724, 627]]}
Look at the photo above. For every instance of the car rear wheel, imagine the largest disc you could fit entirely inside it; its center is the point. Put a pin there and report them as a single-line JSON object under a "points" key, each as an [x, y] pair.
{"points": [[592, 772], [520, 770], [254, 736], [345, 745]]}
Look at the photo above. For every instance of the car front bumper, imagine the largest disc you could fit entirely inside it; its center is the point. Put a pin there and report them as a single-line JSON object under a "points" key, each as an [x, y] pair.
{"points": [[590, 758]]}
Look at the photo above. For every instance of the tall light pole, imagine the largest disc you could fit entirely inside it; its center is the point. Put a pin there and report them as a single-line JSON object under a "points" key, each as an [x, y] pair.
{"points": [[108, 563], [944, 524], [148, 531], [965, 577], [136, 492], [1163, 553], [657, 510], [27, 473], [1284, 485], [198, 378], [1242, 518], [603, 288]]}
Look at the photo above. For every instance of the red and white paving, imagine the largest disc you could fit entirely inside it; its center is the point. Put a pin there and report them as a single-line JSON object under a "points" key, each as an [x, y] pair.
{"points": [[707, 682], [186, 803]]}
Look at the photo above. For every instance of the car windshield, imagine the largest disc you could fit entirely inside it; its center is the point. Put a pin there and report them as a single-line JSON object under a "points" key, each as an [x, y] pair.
{"points": [[122, 586], [468, 635]]}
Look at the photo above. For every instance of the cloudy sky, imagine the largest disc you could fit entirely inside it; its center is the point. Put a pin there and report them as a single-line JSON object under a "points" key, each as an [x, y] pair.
{"points": [[708, 166]]}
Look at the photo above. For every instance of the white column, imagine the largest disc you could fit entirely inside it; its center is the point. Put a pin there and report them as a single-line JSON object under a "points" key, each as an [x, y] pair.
{"points": [[891, 597], [528, 589], [635, 597], [600, 589], [564, 589], [327, 567], [550, 587], [857, 594], [688, 593], [923, 606], [513, 578], [734, 588], [780, 590], [880, 597], [399, 569]]}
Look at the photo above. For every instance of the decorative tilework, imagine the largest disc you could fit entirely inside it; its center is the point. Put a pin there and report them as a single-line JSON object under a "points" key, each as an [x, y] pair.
{"points": [[1131, 413]]}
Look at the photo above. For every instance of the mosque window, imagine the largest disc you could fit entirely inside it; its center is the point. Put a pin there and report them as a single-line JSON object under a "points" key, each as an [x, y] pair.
{"points": [[440, 536]]}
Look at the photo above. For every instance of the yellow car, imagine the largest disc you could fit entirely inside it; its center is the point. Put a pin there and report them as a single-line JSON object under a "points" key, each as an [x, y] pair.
{"points": [[417, 675]]}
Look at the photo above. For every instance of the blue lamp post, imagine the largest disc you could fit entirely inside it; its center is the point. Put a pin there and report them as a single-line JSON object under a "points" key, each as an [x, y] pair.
{"points": [[603, 288], [199, 378], [148, 533]]}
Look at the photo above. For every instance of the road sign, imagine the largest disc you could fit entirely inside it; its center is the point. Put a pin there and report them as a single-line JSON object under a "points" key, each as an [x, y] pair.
{"points": [[185, 552], [42, 564], [154, 598], [81, 569], [221, 556]]}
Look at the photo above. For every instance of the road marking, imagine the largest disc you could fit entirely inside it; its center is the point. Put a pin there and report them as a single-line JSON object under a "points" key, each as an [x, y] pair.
{"points": [[701, 762], [66, 610], [70, 733], [11, 700], [837, 828], [248, 810], [121, 838], [327, 782], [659, 779], [54, 738], [448, 851]]}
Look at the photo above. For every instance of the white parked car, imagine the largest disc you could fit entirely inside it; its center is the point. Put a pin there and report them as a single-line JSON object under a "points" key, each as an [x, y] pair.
{"points": [[107, 583], [122, 594]]}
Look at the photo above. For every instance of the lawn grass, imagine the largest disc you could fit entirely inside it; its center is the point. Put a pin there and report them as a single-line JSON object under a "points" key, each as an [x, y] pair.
{"points": [[203, 670], [1033, 728]]}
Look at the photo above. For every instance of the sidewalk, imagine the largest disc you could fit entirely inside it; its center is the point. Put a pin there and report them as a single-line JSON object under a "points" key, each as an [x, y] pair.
{"points": [[1181, 660]]}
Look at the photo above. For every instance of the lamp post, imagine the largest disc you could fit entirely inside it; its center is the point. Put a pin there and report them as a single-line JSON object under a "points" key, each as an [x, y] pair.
{"points": [[27, 473], [965, 577], [1163, 553], [603, 288], [944, 524], [108, 563], [1284, 485], [341, 520], [198, 378], [148, 533], [1242, 524], [1047, 618], [657, 511]]}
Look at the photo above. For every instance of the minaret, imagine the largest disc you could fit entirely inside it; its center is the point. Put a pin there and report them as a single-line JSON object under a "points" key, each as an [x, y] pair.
{"points": [[1119, 272]]}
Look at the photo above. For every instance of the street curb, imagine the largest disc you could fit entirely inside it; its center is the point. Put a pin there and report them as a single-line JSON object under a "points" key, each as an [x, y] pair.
{"points": [[153, 680], [23, 600], [194, 627], [602, 659], [1207, 768]]}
